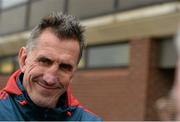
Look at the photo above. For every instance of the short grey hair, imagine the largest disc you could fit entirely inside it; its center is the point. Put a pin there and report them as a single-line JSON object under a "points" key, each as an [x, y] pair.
{"points": [[63, 26]]}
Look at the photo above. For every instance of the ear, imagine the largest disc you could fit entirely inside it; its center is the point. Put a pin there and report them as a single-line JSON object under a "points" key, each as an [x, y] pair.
{"points": [[22, 58]]}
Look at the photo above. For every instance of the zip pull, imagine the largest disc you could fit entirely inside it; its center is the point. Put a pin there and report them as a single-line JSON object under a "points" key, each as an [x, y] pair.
{"points": [[23, 103]]}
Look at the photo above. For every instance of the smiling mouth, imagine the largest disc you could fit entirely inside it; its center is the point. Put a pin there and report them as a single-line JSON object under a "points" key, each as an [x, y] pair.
{"points": [[46, 86]]}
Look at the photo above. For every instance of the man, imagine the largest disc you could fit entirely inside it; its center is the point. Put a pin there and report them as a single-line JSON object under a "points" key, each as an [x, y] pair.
{"points": [[176, 87], [40, 89], [170, 105]]}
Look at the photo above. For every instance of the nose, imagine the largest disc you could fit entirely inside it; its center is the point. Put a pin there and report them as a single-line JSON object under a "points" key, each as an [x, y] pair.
{"points": [[50, 79], [51, 75]]}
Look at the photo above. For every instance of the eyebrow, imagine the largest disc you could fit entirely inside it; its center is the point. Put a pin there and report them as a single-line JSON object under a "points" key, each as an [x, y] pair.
{"points": [[64, 61]]}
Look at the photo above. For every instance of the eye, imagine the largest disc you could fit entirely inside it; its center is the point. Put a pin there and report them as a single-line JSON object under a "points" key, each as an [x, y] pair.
{"points": [[66, 67], [45, 61]]}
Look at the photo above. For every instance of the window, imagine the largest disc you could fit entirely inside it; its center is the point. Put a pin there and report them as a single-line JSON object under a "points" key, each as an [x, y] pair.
{"points": [[114, 55], [91, 7], [167, 55], [9, 3], [129, 4]]}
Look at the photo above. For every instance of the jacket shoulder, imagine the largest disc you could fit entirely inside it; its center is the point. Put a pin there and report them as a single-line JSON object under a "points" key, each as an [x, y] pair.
{"points": [[82, 114], [89, 116], [7, 111]]}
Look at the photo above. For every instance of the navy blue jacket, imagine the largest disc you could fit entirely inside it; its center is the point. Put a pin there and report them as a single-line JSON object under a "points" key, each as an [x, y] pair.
{"points": [[15, 105]]}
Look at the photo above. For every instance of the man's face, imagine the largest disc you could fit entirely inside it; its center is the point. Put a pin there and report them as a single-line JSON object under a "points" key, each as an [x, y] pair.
{"points": [[48, 68]]}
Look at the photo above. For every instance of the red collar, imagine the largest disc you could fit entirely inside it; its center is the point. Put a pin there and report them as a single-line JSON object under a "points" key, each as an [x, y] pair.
{"points": [[13, 88]]}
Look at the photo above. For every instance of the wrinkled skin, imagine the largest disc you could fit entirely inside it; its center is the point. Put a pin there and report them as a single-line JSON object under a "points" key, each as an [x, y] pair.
{"points": [[48, 69]]}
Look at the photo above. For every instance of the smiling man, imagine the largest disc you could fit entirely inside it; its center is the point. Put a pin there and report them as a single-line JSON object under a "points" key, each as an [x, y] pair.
{"points": [[39, 90]]}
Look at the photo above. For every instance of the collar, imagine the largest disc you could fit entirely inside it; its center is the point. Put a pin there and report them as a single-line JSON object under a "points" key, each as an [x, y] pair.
{"points": [[13, 88]]}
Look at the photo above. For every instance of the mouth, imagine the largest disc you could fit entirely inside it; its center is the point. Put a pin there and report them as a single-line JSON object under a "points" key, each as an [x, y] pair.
{"points": [[46, 86]]}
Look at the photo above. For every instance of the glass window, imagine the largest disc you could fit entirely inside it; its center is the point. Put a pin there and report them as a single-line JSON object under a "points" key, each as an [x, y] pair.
{"points": [[40, 8], [90, 8], [108, 56], [128, 4], [10, 3], [17, 15], [166, 53]]}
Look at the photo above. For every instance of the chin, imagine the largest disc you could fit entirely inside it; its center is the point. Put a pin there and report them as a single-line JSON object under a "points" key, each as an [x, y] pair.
{"points": [[44, 101]]}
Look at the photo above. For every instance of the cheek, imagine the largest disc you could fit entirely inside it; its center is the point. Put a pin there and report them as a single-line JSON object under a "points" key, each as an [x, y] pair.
{"points": [[65, 81], [31, 71]]}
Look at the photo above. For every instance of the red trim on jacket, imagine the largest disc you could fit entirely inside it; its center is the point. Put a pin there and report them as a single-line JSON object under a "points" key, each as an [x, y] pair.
{"points": [[71, 100], [11, 86]]}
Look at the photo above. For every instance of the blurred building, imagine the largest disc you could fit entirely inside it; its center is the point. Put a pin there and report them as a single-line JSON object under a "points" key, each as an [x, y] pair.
{"points": [[130, 58]]}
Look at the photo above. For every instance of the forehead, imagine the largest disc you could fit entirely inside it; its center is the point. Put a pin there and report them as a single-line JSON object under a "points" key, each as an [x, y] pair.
{"points": [[49, 37], [48, 43]]}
